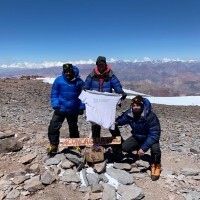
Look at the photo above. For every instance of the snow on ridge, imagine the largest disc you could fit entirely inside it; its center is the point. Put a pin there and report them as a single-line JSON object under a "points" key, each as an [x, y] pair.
{"points": [[179, 101], [47, 64], [147, 59], [28, 65], [176, 101], [135, 93]]}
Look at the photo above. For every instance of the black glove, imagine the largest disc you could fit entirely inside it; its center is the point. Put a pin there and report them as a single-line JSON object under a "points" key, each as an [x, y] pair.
{"points": [[81, 112], [58, 112], [122, 99], [120, 104], [123, 96]]}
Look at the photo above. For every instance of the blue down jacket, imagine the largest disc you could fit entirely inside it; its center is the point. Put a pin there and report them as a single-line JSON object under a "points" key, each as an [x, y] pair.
{"points": [[105, 84], [146, 129], [64, 94]]}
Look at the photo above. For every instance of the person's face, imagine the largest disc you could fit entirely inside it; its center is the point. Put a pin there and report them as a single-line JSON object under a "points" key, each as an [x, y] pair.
{"points": [[101, 67], [137, 109], [69, 74]]}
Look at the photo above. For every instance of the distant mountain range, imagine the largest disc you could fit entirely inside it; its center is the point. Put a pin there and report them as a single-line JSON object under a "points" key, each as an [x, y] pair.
{"points": [[173, 78]]}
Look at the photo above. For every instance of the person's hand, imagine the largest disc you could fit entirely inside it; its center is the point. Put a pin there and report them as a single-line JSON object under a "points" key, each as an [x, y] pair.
{"points": [[122, 99], [58, 112], [140, 152], [119, 104], [123, 96], [81, 112]]}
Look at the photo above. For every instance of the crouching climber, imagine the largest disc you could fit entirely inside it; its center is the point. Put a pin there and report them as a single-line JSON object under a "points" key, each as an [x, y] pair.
{"points": [[146, 130]]}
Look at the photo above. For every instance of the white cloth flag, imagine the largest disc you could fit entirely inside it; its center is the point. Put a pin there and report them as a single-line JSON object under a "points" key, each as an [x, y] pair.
{"points": [[100, 107]]}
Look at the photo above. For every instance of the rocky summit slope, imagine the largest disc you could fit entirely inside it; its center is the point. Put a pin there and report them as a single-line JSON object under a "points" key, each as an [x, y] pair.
{"points": [[27, 173]]}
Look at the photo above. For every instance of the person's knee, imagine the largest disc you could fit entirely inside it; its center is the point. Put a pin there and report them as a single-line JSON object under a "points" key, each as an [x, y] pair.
{"points": [[96, 126], [155, 149], [96, 130], [54, 127], [126, 148], [156, 153]]}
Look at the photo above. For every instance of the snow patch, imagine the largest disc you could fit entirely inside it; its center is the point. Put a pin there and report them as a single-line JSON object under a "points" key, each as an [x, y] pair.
{"points": [[178, 101]]}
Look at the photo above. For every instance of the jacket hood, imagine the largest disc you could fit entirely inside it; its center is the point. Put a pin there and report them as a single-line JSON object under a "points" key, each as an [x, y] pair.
{"points": [[146, 110], [76, 71]]}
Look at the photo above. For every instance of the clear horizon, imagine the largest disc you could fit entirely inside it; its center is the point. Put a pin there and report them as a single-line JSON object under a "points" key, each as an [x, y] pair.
{"points": [[36, 31]]}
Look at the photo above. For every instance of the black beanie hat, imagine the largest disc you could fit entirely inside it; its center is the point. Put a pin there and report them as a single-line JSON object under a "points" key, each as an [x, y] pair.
{"points": [[101, 59], [67, 66]]}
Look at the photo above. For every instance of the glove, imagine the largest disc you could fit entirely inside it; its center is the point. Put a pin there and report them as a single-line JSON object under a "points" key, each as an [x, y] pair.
{"points": [[122, 99], [120, 104], [81, 112], [123, 96], [58, 112]]}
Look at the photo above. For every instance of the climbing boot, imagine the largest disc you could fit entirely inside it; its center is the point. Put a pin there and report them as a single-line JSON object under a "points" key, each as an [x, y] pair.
{"points": [[77, 148], [155, 171], [52, 149]]}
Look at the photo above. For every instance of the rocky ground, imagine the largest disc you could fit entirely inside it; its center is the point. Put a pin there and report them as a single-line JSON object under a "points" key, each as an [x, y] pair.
{"points": [[27, 173]]}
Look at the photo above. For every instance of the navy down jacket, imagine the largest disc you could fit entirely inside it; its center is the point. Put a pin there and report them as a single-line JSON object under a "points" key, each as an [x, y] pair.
{"points": [[103, 84], [64, 94], [145, 129]]}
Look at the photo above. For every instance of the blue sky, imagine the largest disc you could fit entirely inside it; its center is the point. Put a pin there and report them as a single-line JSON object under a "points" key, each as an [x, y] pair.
{"points": [[59, 30]]}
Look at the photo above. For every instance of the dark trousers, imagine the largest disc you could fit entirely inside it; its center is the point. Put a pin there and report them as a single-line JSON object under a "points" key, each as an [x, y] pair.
{"points": [[96, 131], [56, 124], [131, 144]]}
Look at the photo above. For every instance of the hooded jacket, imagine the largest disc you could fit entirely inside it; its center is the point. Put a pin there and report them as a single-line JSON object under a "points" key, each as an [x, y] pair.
{"points": [[64, 94], [103, 82], [145, 129]]}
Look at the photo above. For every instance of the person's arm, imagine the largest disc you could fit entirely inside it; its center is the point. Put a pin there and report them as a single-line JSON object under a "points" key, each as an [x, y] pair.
{"points": [[88, 83], [55, 95], [123, 119], [154, 132], [116, 85], [82, 105]]}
